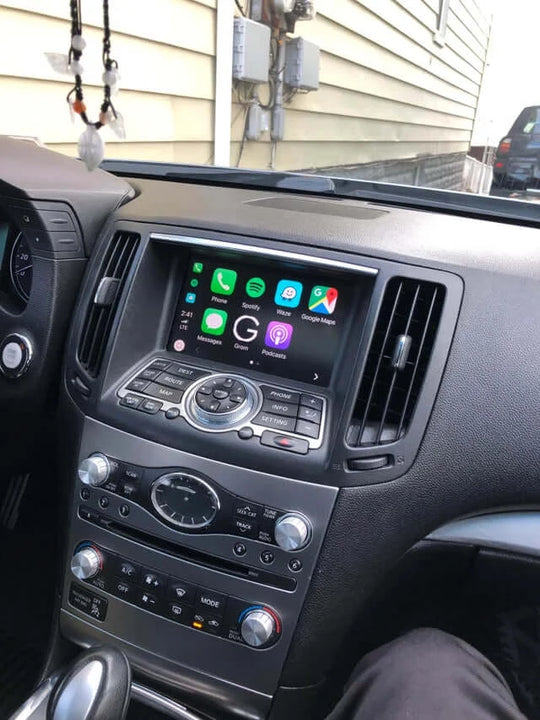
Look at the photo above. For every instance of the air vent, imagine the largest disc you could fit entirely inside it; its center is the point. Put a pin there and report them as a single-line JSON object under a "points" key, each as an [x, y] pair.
{"points": [[105, 298], [397, 362]]}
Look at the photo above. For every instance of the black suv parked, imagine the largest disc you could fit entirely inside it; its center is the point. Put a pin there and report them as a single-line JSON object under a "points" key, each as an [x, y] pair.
{"points": [[517, 161]]}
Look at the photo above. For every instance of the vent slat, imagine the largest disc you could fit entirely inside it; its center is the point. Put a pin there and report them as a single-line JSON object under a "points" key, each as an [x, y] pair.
{"points": [[378, 365], [387, 397], [99, 319]]}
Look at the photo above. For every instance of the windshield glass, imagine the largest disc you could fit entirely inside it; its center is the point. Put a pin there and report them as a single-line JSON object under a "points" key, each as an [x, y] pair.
{"points": [[431, 93]]}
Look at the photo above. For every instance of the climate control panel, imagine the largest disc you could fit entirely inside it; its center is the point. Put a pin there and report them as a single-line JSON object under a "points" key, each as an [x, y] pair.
{"points": [[190, 502], [200, 608]]}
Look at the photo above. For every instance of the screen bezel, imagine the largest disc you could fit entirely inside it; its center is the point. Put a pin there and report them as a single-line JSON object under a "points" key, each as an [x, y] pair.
{"points": [[226, 250]]}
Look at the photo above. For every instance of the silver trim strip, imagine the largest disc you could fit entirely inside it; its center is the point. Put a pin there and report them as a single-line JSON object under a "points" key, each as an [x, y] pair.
{"points": [[35, 708], [267, 252], [159, 702], [517, 531]]}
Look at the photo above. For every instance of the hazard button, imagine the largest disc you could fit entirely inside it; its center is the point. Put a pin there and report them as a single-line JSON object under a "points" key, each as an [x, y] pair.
{"points": [[285, 442]]}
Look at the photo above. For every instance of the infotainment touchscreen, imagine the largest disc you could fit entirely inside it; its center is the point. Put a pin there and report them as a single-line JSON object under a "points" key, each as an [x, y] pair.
{"points": [[264, 315]]}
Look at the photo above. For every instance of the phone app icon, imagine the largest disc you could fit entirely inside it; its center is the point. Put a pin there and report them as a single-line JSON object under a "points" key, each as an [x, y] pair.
{"points": [[288, 293], [198, 267], [214, 321], [191, 298], [323, 300], [256, 287], [223, 281], [278, 335]]}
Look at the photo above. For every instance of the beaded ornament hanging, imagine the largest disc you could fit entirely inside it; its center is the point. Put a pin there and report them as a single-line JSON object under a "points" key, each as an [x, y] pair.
{"points": [[91, 147]]}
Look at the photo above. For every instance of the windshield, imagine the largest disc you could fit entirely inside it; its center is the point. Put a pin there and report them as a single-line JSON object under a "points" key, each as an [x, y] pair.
{"points": [[431, 93]]}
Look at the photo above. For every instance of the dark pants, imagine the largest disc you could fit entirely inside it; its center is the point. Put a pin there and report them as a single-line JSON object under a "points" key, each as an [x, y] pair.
{"points": [[426, 675]]}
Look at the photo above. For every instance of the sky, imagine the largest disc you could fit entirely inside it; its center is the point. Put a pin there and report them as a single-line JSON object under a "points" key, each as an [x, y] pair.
{"points": [[510, 79]]}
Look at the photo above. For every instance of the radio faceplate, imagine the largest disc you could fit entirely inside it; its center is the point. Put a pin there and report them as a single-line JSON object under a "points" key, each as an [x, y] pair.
{"points": [[282, 418]]}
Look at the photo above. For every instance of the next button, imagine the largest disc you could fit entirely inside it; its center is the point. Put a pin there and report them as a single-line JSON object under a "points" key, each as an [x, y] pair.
{"points": [[211, 601]]}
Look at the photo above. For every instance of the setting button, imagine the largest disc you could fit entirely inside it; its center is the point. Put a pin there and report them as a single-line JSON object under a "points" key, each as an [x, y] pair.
{"points": [[275, 421], [280, 408], [211, 602]]}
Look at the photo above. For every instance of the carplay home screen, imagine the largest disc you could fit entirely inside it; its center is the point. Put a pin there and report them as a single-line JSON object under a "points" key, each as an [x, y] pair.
{"points": [[264, 316]]}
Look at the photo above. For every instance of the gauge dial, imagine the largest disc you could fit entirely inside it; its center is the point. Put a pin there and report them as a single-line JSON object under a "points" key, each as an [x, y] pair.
{"points": [[21, 267], [185, 500]]}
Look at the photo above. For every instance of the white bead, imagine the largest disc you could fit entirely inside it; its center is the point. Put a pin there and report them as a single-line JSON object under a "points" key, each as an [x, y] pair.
{"points": [[78, 42], [76, 67], [111, 78], [116, 124], [58, 62], [91, 148]]}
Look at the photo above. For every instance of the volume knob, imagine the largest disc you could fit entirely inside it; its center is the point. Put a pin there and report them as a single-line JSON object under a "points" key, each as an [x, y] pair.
{"points": [[292, 532], [95, 470], [86, 563], [258, 628]]}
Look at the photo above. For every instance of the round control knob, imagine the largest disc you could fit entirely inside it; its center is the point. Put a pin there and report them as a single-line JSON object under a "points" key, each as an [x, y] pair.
{"points": [[95, 470], [15, 356], [86, 563], [221, 402], [258, 628], [292, 532]]}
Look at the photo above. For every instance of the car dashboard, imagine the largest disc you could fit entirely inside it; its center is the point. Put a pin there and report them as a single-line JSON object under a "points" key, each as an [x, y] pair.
{"points": [[266, 399]]}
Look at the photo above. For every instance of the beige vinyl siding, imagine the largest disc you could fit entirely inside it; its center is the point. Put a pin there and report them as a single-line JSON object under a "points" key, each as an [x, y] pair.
{"points": [[388, 91], [167, 66]]}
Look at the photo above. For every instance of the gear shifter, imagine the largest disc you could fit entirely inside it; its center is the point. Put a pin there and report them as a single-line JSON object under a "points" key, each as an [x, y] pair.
{"points": [[95, 687]]}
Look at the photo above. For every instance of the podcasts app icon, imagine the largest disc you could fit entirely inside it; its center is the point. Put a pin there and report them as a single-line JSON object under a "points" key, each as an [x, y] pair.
{"points": [[278, 335]]}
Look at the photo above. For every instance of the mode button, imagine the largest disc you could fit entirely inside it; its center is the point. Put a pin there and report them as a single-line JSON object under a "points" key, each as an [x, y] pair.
{"points": [[211, 601]]}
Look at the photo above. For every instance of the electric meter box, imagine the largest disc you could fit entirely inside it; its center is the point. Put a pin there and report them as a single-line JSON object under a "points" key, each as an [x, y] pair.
{"points": [[251, 51], [302, 62]]}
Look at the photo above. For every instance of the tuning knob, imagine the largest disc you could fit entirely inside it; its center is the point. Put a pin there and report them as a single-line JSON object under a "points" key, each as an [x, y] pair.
{"points": [[292, 532], [258, 628], [95, 470], [86, 563]]}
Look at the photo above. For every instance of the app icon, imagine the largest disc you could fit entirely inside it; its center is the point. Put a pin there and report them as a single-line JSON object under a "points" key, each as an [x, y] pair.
{"points": [[223, 281], [245, 328], [214, 321], [256, 287], [198, 267], [323, 300], [194, 283], [179, 345], [288, 293], [190, 298], [279, 335]]}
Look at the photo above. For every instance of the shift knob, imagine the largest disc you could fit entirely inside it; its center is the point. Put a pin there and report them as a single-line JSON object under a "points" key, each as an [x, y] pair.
{"points": [[96, 687]]}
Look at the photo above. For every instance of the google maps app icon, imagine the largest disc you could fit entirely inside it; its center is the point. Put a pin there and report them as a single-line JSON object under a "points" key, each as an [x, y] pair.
{"points": [[323, 300]]}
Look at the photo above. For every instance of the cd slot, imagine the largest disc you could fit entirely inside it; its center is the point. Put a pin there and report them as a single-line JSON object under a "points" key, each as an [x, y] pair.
{"points": [[263, 577]]}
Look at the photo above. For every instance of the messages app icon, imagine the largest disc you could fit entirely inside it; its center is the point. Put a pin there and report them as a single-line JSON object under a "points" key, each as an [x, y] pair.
{"points": [[288, 293]]}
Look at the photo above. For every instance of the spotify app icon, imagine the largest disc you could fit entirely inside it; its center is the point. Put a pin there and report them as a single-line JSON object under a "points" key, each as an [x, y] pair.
{"points": [[255, 287]]}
